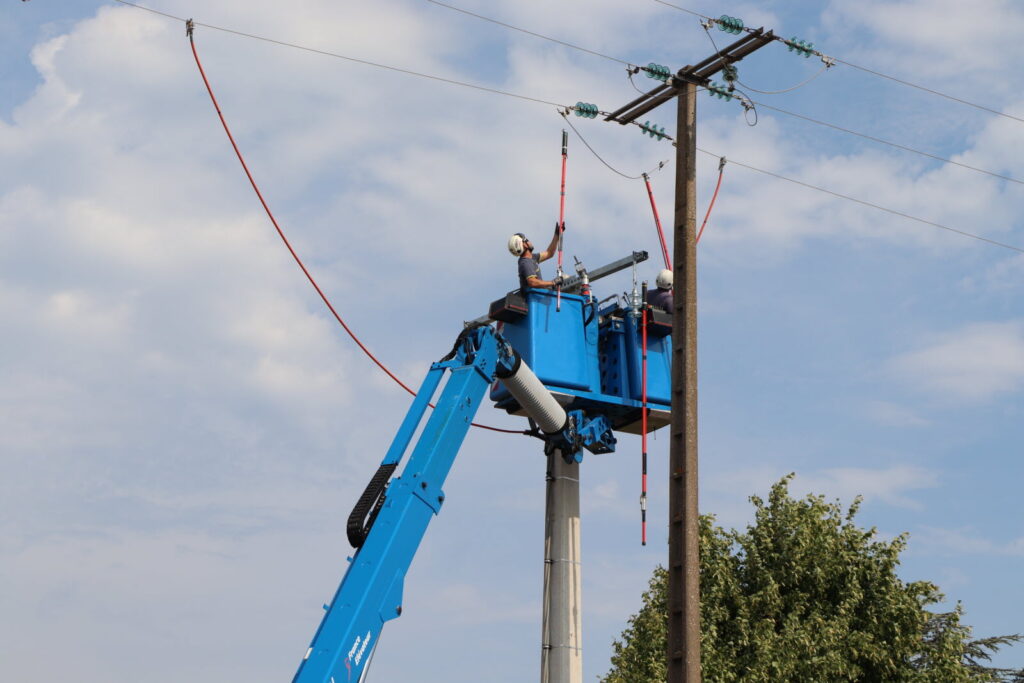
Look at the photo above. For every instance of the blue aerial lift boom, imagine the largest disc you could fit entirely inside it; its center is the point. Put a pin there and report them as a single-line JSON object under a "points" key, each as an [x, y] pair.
{"points": [[390, 519], [562, 360]]}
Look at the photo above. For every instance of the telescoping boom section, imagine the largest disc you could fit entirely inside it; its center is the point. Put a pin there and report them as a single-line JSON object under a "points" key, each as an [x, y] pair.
{"points": [[392, 515]]}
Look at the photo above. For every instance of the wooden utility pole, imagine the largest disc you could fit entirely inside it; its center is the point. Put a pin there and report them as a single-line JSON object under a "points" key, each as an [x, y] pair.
{"points": [[683, 653], [683, 553]]}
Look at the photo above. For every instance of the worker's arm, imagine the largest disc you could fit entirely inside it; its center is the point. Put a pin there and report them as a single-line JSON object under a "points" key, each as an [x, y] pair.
{"points": [[534, 281], [550, 251]]}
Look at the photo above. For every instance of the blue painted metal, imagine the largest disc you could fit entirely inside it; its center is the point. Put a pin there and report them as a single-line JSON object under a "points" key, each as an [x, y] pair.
{"points": [[593, 357], [595, 432], [560, 350], [371, 591], [659, 364]]}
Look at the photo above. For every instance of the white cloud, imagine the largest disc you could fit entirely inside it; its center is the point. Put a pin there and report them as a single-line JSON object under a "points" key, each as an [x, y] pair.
{"points": [[895, 414], [177, 405], [789, 215], [893, 485], [944, 39], [1005, 276], [967, 541], [977, 362]]}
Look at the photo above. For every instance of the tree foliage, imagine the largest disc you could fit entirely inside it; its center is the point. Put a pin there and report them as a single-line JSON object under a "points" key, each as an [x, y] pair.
{"points": [[804, 594]]}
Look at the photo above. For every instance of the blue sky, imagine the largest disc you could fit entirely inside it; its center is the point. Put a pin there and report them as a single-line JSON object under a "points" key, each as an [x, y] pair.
{"points": [[184, 429]]}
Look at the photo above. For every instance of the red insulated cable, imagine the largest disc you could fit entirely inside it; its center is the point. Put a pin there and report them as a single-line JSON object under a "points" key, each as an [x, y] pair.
{"points": [[657, 223], [721, 169], [284, 239]]}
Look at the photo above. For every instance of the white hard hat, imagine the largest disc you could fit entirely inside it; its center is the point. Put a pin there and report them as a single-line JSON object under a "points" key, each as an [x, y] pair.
{"points": [[664, 279], [516, 244]]}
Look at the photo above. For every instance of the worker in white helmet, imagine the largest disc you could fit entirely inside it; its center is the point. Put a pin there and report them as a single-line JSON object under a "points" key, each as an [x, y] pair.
{"points": [[529, 261], [661, 296]]}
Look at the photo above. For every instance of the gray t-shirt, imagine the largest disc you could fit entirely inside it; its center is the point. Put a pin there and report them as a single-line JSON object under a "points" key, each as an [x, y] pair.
{"points": [[660, 298], [528, 267]]}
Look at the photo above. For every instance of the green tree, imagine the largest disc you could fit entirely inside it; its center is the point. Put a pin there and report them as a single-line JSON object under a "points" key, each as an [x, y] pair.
{"points": [[804, 594]]}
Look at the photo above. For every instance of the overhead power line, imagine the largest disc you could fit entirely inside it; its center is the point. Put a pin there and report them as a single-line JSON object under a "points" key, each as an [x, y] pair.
{"points": [[356, 60], [833, 126], [862, 202], [584, 109], [809, 119], [802, 48], [888, 142], [531, 33], [823, 69], [611, 168], [929, 90], [596, 155], [548, 102], [574, 108], [825, 66]]}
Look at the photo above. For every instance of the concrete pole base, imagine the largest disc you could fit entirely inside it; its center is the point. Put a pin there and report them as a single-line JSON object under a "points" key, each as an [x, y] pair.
{"points": [[562, 641]]}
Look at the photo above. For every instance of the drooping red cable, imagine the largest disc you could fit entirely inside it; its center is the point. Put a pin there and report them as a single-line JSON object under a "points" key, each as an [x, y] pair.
{"points": [[657, 222], [284, 239], [718, 185]]}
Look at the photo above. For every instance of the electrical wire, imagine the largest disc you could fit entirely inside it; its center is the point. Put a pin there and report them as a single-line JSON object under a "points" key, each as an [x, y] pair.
{"points": [[889, 143], [594, 152], [661, 164], [657, 225], [531, 33], [567, 108], [629, 75], [631, 70], [865, 69], [683, 9], [847, 130], [356, 60], [928, 90], [748, 106], [718, 186], [287, 244], [706, 25], [823, 69], [870, 204], [746, 115]]}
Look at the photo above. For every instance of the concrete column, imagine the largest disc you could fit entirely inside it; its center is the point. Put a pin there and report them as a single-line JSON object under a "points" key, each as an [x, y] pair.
{"points": [[562, 640]]}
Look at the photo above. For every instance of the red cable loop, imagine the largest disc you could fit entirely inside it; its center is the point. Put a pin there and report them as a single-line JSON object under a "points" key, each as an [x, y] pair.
{"points": [[721, 169], [295, 256]]}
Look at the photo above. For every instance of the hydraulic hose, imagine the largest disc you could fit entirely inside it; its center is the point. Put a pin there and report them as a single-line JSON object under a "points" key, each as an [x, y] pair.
{"points": [[533, 396], [361, 519]]}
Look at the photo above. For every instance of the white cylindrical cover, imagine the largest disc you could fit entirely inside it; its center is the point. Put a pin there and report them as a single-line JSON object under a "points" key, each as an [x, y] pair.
{"points": [[535, 399]]}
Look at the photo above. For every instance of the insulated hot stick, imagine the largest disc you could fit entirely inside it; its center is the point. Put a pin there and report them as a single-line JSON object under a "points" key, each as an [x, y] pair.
{"points": [[561, 221], [643, 418]]}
